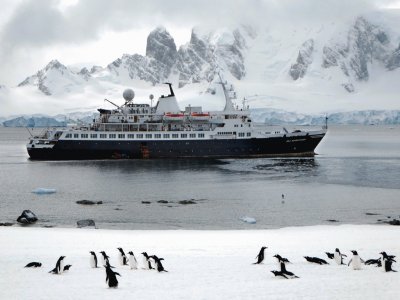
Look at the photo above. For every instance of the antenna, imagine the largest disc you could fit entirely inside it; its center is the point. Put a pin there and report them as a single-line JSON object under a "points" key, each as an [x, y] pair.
{"points": [[151, 97], [111, 103]]}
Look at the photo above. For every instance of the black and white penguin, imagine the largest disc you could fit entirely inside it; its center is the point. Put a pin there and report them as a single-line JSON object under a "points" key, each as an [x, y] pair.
{"points": [[59, 266], [281, 259], [33, 264], [104, 258], [158, 265], [146, 262], [282, 264], [387, 261], [93, 259], [316, 260], [133, 264], [376, 262], [111, 278], [355, 261], [123, 260], [279, 274], [330, 255], [66, 268], [339, 257], [260, 257]]}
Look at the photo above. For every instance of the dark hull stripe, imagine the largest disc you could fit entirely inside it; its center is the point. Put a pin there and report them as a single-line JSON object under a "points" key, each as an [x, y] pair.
{"points": [[260, 147]]}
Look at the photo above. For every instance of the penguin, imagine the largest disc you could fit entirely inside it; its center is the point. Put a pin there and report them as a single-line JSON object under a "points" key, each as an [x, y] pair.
{"points": [[260, 256], [278, 273], [339, 257], [111, 278], [376, 262], [158, 264], [93, 259], [66, 268], [108, 265], [122, 257], [281, 259], [133, 264], [316, 260], [146, 262], [387, 261], [386, 256], [355, 261], [33, 264], [59, 266], [287, 273], [104, 258], [330, 255]]}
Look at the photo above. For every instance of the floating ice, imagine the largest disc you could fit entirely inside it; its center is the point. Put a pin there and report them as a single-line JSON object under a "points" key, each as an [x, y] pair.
{"points": [[249, 220], [44, 191]]}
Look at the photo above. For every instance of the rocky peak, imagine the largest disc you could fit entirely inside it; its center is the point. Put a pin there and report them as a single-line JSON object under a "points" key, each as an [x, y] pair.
{"points": [[84, 72], [304, 59], [54, 64], [161, 46], [394, 60]]}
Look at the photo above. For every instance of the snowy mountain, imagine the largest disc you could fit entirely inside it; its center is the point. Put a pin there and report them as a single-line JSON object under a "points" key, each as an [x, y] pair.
{"points": [[56, 78], [33, 122], [347, 66], [368, 117]]}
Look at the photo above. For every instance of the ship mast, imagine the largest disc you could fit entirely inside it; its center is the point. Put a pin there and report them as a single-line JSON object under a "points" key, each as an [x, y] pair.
{"points": [[228, 102]]}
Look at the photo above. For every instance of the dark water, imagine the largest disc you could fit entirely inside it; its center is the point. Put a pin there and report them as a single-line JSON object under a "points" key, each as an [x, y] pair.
{"points": [[356, 172]]}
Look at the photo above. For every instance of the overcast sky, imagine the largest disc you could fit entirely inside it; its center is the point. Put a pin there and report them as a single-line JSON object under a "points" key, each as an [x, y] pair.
{"points": [[96, 32]]}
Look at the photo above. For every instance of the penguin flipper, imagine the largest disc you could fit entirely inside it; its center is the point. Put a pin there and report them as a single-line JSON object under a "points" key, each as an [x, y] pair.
{"points": [[349, 262]]}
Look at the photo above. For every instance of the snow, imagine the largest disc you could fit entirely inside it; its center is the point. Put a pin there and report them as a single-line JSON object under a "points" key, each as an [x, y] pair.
{"points": [[201, 264]]}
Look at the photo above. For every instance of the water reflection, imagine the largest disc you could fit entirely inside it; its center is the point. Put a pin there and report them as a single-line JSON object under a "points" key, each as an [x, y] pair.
{"points": [[133, 165]]}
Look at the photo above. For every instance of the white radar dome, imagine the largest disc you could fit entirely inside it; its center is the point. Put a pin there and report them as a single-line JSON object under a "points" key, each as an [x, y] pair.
{"points": [[128, 95]]}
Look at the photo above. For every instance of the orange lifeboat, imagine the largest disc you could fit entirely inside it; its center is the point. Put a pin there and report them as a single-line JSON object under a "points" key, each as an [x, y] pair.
{"points": [[199, 116]]}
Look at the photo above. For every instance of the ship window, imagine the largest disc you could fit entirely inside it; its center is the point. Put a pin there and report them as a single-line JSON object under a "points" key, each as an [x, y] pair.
{"points": [[131, 136], [241, 134], [166, 135], [192, 135], [183, 135], [175, 135], [93, 136], [121, 136], [157, 136], [68, 135], [103, 135], [139, 136], [112, 136], [201, 135], [249, 134], [76, 136], [149, 136], [84, 136]]}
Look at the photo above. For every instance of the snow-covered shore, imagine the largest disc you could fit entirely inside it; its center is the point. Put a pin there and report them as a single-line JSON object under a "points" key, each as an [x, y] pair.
{"points": [[201, 264]]}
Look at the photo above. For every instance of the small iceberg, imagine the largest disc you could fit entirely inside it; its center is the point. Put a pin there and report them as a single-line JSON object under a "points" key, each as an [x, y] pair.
{"points": [[42, 191], [249, 220]]}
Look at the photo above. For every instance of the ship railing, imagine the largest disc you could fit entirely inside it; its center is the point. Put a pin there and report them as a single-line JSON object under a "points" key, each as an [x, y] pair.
{"points": [[150, 127]]}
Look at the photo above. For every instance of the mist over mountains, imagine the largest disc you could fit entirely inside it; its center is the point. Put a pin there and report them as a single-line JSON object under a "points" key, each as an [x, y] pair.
{"points": [[331, 68]]}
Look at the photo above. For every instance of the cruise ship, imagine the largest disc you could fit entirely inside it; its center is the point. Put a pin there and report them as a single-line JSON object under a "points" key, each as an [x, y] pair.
{"points": [[142, 131]]}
